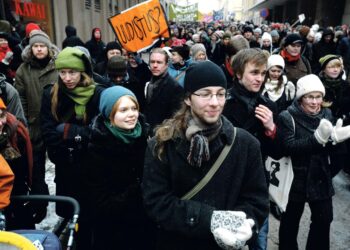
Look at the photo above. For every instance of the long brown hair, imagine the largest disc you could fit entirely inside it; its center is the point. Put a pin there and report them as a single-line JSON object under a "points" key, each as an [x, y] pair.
{"points": [[85, 81], [170, 129]]}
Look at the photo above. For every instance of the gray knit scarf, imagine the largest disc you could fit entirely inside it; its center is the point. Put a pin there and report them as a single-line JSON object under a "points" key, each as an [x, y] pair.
{"points": [[200, 135]]}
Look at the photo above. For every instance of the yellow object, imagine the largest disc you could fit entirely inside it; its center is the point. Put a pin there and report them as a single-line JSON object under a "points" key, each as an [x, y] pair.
{"points": [[16, 240]]}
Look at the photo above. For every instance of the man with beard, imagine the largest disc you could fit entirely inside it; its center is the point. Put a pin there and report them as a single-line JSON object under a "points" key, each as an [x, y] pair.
{"points": [[36, 71], [163, 93]]}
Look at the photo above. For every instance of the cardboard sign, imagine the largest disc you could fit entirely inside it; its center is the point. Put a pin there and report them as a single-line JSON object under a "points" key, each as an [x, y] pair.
{"points": [[301, 18], [139, 27]]}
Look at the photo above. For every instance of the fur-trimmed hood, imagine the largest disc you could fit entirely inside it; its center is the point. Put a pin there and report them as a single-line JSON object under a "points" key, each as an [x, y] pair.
{"points": [[27, 55]]}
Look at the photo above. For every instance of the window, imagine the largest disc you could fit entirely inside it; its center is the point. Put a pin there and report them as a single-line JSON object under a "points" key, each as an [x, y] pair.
{"points": [[97, 5], [87, 4]]}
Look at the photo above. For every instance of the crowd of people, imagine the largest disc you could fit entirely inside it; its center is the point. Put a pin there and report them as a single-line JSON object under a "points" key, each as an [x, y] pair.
{"points": [[170, 154]]}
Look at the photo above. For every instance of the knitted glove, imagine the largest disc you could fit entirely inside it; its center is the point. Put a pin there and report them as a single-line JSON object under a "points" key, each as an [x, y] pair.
{"points": [[231, 229], [340, 133], [323, 131], [8, 58], [289, 90]]}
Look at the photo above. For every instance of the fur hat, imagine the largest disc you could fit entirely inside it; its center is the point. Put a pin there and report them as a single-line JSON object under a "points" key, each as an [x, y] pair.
{"points": [[30, 27], [71, 58], [116, 66], [326, 59], [110, 96], [275, 60], [308, 84], [39, 36], [113, 45], [204, 74]]}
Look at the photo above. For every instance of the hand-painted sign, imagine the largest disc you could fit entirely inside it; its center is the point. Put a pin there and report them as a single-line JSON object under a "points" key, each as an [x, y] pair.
{"points": [[141, 26], [183, 13]]}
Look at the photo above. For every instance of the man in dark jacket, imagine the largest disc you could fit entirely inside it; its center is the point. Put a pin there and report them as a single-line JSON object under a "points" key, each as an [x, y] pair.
{"points": [[163, 93], [234, 202], [72, 39], [247, 108]]}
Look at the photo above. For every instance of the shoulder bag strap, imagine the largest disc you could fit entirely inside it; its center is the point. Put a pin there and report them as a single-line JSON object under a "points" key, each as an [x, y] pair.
{"points": [[201, 184]]}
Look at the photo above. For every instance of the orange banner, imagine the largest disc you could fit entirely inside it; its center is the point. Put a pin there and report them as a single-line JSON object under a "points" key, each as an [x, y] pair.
{"points": [[139, 27]]}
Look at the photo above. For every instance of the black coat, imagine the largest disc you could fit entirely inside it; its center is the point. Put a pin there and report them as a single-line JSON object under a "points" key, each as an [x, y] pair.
{"points": [[66, 153], [164, 103], [313, 165], [239, 185], [242, 116], [114, 172]]}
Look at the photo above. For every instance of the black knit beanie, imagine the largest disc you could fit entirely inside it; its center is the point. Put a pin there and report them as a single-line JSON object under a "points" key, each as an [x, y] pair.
{"points": [[204, 74]]}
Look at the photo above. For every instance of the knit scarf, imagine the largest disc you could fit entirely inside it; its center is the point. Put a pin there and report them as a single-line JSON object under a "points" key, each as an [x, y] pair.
{"points": [[80, 96], [228, 66], [289, 57], [199, 135], [125, 136], [273, 90], [250, 99]]}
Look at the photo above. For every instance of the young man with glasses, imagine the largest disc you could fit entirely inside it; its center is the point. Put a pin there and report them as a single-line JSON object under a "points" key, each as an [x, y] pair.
{"points": [[226, 212]]}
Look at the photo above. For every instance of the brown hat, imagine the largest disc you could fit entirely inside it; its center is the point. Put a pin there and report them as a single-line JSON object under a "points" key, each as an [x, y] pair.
{"points": [[116, 66]]}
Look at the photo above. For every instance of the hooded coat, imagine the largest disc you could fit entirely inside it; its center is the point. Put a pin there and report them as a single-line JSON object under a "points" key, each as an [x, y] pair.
{"points": [[321, 49], [72, 39], [95, 47], [31, 78]]}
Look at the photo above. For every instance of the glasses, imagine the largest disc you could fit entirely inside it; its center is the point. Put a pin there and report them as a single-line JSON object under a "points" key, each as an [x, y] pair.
{"points": [[310, 98], [207, 96], [71, 73]]}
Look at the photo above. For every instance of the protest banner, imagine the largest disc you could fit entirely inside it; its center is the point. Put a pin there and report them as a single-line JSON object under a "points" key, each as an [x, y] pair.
{"points": [[141, 26], [183, 13]]}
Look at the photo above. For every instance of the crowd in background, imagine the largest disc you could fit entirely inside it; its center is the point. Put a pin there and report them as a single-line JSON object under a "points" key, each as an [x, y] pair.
{"points": [[92, 107]]}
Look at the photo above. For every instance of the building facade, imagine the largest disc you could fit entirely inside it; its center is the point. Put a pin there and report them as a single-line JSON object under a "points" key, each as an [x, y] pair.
{"points": [[323, 12], [54, 15]]}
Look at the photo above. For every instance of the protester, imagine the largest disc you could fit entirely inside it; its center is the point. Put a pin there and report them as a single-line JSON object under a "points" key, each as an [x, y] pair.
{"points": [[36, 72], [163, 93], [114, 169], [180, 61], [198, 52], [72, 39], [304, 131], [68, 106], [95, 45], [297, 65], [277, 88], [234, 203], [112, 49]]}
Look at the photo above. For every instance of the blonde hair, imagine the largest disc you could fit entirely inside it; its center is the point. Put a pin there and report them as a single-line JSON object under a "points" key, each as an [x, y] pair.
{"points": [[85, 81], [116, 107], [170, 129]]}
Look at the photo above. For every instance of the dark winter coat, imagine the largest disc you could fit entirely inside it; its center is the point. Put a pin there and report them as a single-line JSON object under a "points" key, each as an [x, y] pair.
{"points": [[297, 69], [242, 115], [338, 93], [96, 48], [141, 72], [313, 165], [72, 39], [164, 103], [31, 78], [322, 49], [239, 185], [114, 171], [66, 149]]}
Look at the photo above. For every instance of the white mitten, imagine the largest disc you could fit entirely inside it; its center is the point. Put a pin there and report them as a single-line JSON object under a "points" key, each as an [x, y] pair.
{"points": [[289, 90], [340, 133], [323, 131], [231, 229]]}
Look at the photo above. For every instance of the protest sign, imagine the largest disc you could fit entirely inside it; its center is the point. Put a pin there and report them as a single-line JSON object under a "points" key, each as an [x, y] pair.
{"points": [[183, 13], [141, 26]]}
